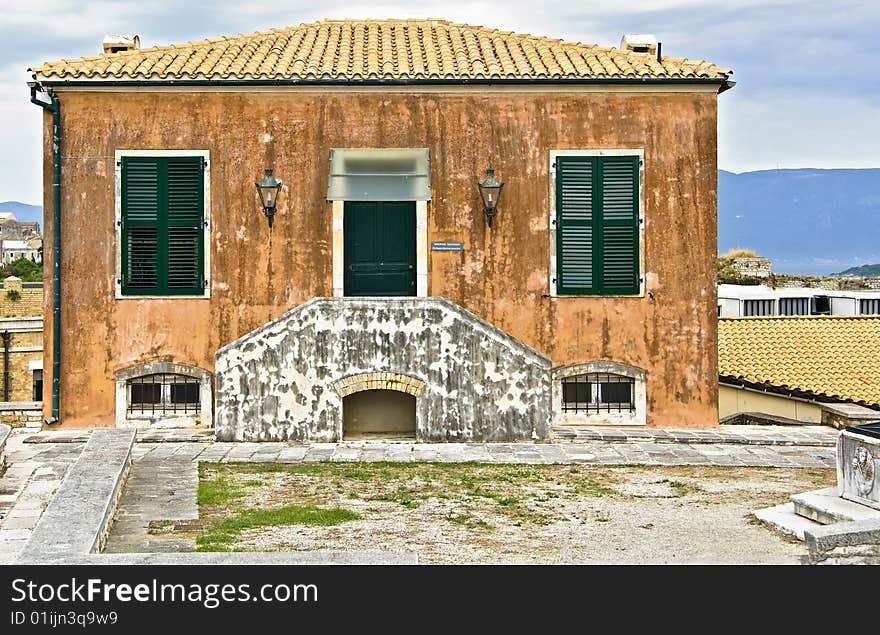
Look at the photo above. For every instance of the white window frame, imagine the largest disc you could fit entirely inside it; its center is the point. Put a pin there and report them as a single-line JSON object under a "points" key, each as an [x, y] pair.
{"points": [[552, 224], [206, 155], [620, 418]]}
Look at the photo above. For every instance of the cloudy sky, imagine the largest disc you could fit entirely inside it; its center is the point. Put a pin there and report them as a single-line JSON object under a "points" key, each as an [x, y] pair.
{"points": [[807, 91]]}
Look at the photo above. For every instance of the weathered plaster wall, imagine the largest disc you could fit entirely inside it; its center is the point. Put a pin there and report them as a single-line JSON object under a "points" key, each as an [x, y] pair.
{"points": [[480, 384], [502, 274]]}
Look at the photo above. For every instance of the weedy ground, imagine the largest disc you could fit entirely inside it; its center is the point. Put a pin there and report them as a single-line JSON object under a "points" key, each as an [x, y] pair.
{"points": [[470, 513]]}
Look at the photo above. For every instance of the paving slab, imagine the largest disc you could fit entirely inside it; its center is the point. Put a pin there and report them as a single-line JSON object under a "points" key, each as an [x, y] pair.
{"points": [[813, 435]]}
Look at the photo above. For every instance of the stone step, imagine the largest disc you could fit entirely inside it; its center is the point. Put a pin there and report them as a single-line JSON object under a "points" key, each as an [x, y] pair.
{"points": [[784, 519], [825, 507]]}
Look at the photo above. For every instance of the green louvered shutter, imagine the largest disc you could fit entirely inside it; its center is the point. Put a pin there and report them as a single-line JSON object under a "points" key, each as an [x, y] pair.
{"points": [[597, 225], [620, 225], [575, 231], [162, 221], [140, 225], [185, 222]]}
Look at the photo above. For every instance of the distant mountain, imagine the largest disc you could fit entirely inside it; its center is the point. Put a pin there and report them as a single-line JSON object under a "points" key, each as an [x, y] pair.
{"points": [[23, 211], [864, 270], [806, 221]]}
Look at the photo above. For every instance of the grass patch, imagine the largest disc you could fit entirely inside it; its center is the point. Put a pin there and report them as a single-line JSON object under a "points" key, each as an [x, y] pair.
{"points": [[156, 527], [287, 515], [588, 487], [402, 497], [680, 488], [218, 491], [469, 521], [222, 534]]}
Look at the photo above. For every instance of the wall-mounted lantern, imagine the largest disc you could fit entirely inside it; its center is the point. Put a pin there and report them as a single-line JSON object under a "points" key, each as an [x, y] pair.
{"points": [[268, 188], [490, 192]]}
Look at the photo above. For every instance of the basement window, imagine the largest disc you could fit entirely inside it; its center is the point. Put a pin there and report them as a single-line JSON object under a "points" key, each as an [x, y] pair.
{"points": [[598, 392], [164, 394]]}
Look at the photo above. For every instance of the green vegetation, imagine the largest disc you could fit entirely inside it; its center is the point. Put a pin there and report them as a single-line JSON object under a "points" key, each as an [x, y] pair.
{"points": [[220, 535], [218, 491], [23, 268]]}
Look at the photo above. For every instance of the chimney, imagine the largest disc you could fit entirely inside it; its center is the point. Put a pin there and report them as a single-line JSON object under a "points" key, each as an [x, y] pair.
{"points": [[119, 43], [639, 43]]}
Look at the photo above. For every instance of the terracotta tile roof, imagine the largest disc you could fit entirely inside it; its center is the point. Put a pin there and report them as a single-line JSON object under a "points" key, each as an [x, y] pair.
{"points": [[833, 356], [344, 50]]}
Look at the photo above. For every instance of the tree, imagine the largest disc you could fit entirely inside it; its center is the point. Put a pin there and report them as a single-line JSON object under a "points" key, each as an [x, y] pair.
{"points": [[25, 269]]}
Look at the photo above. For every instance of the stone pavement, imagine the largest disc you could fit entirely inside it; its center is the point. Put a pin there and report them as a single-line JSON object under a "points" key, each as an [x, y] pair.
{"points": [[33, 475], [164, 473], [752, 435], [158, 488], [597, 452]]}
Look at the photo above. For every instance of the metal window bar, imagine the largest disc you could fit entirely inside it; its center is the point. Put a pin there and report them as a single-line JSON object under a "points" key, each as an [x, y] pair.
{"points": [[598, 392], [164, 394], [869, 306], [794, 306], [758, 307]]}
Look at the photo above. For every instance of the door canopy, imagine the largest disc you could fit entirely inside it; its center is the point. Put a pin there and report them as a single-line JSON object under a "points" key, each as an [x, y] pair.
{"points": [[383, 174]]}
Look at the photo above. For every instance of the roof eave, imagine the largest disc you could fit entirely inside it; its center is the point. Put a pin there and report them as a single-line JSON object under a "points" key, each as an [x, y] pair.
{"points": [[55, 82], [786, 391]]}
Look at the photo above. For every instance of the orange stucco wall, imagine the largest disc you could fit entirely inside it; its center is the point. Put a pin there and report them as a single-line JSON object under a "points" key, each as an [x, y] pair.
{"points": [[502, 275]]}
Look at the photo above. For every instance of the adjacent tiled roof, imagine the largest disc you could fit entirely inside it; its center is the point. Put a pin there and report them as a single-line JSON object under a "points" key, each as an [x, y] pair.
{"points": [[831, 356], [345, 50]]}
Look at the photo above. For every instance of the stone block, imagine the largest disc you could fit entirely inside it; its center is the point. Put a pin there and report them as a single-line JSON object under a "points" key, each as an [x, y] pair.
{"points": [[78, 519]]}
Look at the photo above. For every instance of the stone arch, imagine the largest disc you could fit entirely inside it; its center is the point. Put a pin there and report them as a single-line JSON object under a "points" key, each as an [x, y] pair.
{"points": [[379, 381], [203, 417], [638, 375]]}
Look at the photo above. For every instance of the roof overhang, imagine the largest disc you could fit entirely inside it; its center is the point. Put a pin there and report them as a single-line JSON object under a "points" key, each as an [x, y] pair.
{"points": [[792, 393], [720, 85]]}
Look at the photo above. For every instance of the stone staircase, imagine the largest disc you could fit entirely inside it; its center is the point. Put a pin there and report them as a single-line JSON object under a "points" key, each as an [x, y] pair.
{"points": [[812, 510]]}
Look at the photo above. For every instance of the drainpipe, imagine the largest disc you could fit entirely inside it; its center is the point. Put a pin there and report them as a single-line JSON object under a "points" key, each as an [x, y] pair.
{"points": [[54, 106], [7, 338]]}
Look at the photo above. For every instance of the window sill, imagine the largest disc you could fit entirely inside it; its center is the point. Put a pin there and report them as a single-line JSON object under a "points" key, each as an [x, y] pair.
{"points": [[613, 419], [597, 423], [165, 415], [206, 296], [595, 295]]}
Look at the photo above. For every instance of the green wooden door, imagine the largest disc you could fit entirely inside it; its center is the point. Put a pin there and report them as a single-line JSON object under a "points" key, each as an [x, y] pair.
{"points": [[380, 248]]}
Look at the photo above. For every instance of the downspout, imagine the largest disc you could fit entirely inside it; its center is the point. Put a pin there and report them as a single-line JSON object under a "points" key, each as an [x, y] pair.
{"points": [[54, 106], [7, 338]]}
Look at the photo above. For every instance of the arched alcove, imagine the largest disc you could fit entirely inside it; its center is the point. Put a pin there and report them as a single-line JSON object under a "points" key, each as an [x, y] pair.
{"points": [[379, 414]]}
